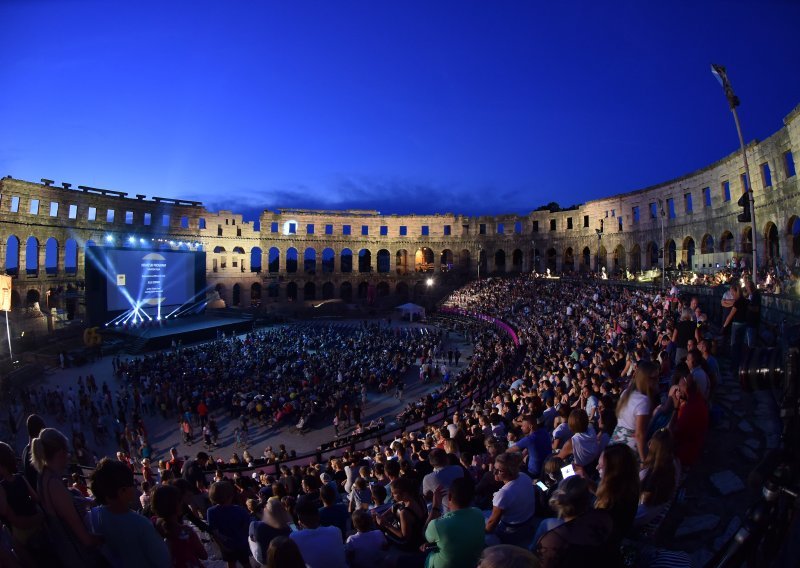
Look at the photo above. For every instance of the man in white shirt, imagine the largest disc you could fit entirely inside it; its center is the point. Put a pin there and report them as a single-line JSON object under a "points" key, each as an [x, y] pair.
{"points": [[321, 547], [442, 475]]}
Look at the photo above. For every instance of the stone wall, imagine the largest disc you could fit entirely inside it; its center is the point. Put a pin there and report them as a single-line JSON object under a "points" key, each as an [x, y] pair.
{"points": [[310, 254]]}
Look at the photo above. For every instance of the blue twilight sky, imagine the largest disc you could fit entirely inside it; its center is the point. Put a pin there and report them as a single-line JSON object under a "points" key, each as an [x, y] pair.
{"points": [[413, 106]]}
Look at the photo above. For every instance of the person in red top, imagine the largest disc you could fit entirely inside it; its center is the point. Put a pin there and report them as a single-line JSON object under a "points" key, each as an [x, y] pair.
{"points": [[690, 422], [202, 412]]}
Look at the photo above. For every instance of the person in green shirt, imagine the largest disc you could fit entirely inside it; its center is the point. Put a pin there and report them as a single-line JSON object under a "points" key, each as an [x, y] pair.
{"points": [[455, 539]]}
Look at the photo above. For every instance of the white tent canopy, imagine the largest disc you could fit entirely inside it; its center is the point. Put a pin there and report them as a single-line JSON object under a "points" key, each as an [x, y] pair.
{"points": [[412, 310]]}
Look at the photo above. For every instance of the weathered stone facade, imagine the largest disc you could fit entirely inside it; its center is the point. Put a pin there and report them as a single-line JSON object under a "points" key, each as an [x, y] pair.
{"points": [[301, 254]]}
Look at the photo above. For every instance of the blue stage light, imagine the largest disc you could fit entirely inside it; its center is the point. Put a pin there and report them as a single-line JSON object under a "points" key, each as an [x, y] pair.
{"points": [[131, 239], [141, 240], [109, 239]]}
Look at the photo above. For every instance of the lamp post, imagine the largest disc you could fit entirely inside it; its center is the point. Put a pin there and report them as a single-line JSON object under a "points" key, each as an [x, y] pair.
{"points": [[480, 252], [733, 102]]}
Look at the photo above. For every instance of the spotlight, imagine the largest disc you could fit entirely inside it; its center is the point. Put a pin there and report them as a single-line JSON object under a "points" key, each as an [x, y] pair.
{"points": [[109, 239], [131, 239], [429, 282], [172, 243], [158, 318], [141, 241]]}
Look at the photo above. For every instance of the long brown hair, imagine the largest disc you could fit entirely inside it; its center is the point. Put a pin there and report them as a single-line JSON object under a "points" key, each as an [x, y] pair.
{"points": [[620, 481]]}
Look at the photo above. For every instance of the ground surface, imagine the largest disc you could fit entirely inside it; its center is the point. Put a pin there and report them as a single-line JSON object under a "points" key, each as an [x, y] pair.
{"points": [[164, 434]]}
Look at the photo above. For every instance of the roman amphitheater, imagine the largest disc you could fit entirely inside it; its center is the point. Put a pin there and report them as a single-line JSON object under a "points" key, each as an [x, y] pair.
{"points": [[295, 255]]}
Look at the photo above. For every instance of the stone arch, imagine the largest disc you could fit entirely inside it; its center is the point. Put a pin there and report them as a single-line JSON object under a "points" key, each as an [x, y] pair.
{"points": [[423, 260], [569, 260], [32, 256], [255, 259], [482, 262], [291, 291], [652, 254], [516, 260], [636, 258], [672, 253], [772, 243], [274, 260], [236, 295], [291, 260], [726, 242], [33, 297], [619, 257], [328, 261], [551, 259], [401, 261], [602, 257], [384, 261], [446, 260], [310, 291], [310, 261], [219, 249], [500, 260], [587, 259], [401, 290], [688, 252], [238, 250], [346, 261], [747, 240], [793, 232], [71, 256], [328, 291], [346, 292], [51, 256], [464, 260], [255, 294], [383, 289], [707, 244], [363, 290], [220, 289], [364, 261], [274, 290]]}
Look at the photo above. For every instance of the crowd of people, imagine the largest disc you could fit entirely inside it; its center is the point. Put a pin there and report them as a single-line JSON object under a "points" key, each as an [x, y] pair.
{"points": [[589, 427]]}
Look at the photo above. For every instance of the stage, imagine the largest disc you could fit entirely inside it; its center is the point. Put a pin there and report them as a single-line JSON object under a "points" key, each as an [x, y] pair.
{"points": [[190, 329]]}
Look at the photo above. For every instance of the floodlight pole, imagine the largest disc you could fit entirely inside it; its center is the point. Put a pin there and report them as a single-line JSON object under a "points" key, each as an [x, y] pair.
{"points": [[749, 190], [8, 336], [733, 102], [663, 214]]}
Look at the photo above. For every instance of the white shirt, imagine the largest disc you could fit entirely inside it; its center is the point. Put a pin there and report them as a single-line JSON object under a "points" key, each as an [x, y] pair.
{"points": [[585, 447], [517, 499], [321, 547], [441, 476], [366, 549], [638, 405]]}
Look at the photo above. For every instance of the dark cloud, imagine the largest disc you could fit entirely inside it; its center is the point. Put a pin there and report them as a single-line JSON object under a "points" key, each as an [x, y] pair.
{"points": [[387, 195]]}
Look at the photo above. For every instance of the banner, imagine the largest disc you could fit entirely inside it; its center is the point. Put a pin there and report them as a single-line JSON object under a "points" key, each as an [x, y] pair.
{"points": [[5, 293]]}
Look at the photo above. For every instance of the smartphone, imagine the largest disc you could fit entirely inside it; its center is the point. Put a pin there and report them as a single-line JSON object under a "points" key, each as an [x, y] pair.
{"points": [[567, 471], [541, 486]]}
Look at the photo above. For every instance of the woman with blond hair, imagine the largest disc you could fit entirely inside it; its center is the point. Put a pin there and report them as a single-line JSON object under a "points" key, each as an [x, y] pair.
{"points": [[635, 407], [76, 546]]}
